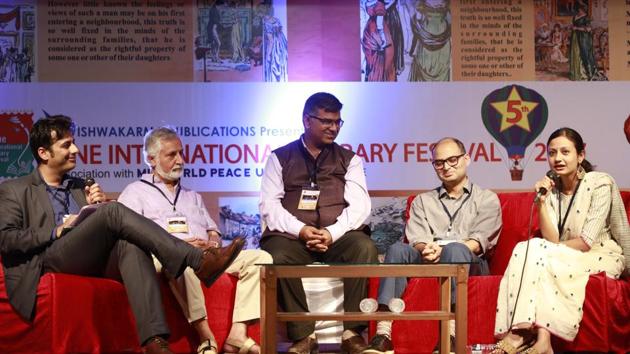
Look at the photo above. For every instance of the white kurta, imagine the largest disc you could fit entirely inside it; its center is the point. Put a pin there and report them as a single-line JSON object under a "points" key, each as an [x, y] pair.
{"points": [[555, 276]]}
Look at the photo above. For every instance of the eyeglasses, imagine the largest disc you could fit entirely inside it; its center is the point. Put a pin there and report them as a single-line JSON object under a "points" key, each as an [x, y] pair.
{"points": [[328, 122], [451, 161]]}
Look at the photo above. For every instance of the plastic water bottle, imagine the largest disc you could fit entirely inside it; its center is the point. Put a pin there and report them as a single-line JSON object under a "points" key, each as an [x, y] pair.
{"points": [[368, 305], [396, 305]]}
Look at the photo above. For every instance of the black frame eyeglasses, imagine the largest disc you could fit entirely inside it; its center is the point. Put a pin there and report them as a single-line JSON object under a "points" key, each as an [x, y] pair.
{"points": [[451, 161], [327, 122]]}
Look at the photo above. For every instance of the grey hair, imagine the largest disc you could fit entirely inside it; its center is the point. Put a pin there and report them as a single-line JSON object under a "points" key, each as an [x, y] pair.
{"points": [[153, 141]]}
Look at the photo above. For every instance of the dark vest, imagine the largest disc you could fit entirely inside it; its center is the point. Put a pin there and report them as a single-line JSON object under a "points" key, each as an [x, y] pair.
{"points": [[332, 166]]}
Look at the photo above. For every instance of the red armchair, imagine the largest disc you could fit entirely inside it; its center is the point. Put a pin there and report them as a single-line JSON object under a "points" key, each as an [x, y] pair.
{"points": [[92, 315], [605, 326]]}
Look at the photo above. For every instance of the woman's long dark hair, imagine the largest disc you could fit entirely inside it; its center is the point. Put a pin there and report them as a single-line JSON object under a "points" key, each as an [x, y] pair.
{"points": [[575, 137]]}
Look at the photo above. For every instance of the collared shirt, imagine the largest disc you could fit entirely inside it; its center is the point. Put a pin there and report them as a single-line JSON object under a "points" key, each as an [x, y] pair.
{"points": [[62, 201], [478, 219], [148, 201], [278, 218]]}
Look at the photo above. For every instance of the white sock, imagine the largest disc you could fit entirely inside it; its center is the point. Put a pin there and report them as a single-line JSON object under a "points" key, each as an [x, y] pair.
{"points": [[384, 328], [451, 327]]}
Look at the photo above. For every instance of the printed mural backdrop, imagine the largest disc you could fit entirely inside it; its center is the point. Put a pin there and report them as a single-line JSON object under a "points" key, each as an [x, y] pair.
{"points": [[121, 70]]}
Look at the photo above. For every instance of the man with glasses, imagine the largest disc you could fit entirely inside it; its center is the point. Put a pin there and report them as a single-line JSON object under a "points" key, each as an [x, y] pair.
{"points": [[455, 222], [314, 201]]}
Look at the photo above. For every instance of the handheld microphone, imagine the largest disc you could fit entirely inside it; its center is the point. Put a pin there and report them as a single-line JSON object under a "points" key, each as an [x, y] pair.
{"points": [[89, 182], [542, 190]]}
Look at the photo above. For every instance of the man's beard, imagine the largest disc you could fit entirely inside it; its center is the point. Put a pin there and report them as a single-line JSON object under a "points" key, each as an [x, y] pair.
{"points": [[172, 175]]}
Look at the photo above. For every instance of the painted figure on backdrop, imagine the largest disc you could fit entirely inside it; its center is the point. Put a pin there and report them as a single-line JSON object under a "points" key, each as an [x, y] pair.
{"points": [[584, 230], [431, 45], [582, 65], [4, 65], [382, 41], [557, 40], [275, 50], [22, 66], [214, 41], [236, 37]]}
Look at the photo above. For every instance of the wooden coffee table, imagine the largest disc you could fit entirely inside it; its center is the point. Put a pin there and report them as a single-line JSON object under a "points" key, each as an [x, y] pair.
{"points": [[444, 272]]}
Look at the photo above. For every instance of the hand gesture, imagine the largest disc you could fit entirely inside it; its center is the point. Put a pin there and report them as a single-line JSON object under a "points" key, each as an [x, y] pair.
{"points": [[94, 194], [66, 224], [214, 239], [197, 242], [313, 238], [431, 252], [546, 183]]}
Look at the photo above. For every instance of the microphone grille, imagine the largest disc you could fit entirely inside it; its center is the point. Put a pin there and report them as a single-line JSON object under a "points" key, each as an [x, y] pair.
{"points": [[89, 181]]}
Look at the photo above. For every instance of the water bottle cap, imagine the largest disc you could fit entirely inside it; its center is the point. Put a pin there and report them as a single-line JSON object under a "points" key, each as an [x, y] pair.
{"points": [[368, 305], [396, 305]]}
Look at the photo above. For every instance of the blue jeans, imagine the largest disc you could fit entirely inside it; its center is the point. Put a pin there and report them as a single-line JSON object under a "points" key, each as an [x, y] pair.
{"points": [[404, 253]]}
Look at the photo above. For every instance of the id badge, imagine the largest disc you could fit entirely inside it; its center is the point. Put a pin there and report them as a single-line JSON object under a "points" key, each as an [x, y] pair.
{"points": [[177, 224], [309, 198], [446, 238]]}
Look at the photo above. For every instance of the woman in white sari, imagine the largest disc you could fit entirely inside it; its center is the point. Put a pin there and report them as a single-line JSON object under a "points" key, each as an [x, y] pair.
{"points": [[584, 227]]}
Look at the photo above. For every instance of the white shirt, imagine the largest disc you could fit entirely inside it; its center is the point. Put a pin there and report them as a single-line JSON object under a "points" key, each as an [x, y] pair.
{"points": [[277, 218]]}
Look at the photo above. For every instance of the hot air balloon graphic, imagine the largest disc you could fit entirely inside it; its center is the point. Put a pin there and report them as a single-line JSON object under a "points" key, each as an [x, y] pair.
{"points": [[514, 115]]}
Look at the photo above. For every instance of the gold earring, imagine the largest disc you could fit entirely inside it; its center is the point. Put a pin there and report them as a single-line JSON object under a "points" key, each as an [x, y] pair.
{"points": [[580, 171]]}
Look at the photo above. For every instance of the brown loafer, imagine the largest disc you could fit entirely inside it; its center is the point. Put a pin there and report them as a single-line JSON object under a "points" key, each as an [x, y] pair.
{"points": [[380, 344], [157, 345], [353, 345], [306, 345], [215, 260]]}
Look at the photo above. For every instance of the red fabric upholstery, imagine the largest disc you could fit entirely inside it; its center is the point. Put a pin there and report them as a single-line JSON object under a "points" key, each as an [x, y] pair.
{"points": [[91, 315], [605, 326]]}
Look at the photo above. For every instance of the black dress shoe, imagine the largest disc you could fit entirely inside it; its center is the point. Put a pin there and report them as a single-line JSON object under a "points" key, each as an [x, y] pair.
{"points": [[353, 345], [306, 345], [157, 345], [380, 344], [216, 260]]}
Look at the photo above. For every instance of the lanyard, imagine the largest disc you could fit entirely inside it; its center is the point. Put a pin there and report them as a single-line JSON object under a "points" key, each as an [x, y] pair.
{"points": [[174, 202], [563, 220], [66, 192], [312, 170], [451, 218]]}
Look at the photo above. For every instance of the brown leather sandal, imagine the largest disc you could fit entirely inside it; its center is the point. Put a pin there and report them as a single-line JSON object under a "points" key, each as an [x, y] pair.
{"points": [[208, 346]]}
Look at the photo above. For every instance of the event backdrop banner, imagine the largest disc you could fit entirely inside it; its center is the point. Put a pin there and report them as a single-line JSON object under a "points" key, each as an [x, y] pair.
{"points": [[230, 129]]}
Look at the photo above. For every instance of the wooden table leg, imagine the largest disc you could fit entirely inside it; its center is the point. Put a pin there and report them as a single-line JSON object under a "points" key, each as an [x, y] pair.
{"points": [[461, 306], [445, 305], [268, 310]]}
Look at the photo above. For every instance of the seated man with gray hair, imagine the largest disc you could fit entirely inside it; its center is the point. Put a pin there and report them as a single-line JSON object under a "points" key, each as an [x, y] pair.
{"points": [[161, 197]]}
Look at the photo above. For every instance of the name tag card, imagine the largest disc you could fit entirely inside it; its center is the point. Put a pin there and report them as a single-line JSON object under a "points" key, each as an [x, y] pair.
{"points": [[309, 198], [177, 224]]}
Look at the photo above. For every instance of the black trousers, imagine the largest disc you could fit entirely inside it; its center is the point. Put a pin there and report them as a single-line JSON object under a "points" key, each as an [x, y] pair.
{"points": [[115, 242], [353, 247]]}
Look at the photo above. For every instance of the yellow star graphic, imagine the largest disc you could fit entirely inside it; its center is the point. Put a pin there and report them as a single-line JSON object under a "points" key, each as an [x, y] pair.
{"points": [[514, 111]]}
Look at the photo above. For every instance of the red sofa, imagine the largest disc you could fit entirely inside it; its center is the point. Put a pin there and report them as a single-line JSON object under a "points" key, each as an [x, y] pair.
{"points": [[605, 326], [91, 315]]}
